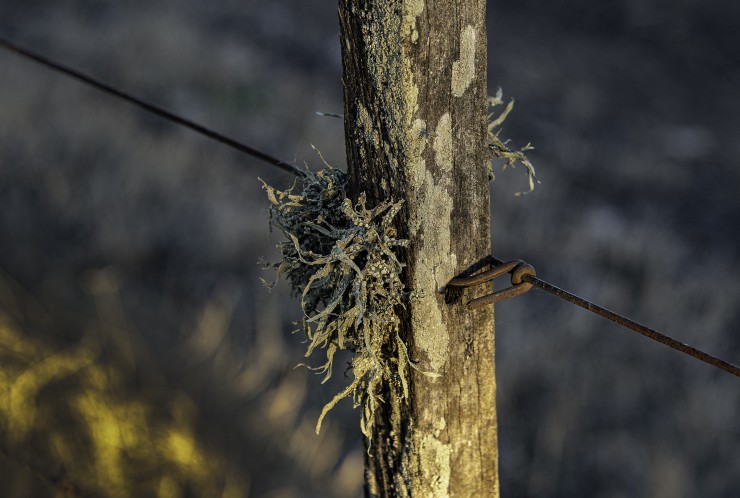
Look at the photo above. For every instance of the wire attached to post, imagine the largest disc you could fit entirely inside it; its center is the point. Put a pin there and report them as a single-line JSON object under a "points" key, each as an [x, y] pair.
{"points": [[523, 278]]}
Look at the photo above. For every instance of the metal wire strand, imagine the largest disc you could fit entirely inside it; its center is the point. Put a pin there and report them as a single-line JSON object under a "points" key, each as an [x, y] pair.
{"points": [[147, 106], [531, 278]]}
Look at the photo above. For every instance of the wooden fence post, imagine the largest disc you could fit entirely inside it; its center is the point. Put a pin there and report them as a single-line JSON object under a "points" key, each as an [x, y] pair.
{"points": [[415, 124]]}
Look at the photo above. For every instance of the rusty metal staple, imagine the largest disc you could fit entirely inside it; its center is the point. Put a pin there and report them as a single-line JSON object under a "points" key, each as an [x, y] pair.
{"points": [[523, 278]]}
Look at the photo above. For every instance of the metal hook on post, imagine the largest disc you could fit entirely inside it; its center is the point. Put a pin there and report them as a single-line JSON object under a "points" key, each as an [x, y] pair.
{"points": [[518, 270]]}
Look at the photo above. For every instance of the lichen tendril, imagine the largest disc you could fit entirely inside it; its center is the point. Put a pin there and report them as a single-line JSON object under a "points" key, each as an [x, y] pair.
{"points": [[500, 148]]}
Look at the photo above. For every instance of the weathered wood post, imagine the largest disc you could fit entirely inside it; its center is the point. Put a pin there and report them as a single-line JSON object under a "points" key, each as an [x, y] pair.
{"points": [[415, 121]]}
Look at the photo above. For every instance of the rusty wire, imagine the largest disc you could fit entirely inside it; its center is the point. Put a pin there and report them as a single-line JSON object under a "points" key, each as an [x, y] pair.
{"points": [[523, 278]]}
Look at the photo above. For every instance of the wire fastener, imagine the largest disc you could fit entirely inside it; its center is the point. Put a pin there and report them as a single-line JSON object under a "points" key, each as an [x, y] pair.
{"points": [[518, 270]]}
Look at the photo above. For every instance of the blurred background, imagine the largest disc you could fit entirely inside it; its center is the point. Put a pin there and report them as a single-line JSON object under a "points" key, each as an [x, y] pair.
{"points": [[140, 354]]}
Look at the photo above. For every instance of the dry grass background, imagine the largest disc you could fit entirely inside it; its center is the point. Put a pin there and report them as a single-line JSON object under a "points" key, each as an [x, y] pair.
{"points": [[135, 329]]}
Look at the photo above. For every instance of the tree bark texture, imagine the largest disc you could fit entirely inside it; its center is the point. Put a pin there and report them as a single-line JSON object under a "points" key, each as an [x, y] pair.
{"points": [[415, 125]]}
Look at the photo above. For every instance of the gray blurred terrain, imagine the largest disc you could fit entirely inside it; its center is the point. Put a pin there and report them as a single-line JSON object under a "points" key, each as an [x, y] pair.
{"points": [[129, 250]]}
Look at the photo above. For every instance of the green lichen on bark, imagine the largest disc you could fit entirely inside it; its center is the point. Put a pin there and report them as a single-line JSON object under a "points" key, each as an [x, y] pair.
{"points": [[499, 148], [340, 258]]}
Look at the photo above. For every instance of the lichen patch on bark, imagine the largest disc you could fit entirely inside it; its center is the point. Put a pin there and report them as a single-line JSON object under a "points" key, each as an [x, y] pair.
{"points": [[430, 212], [416, 167], [443, 143], [433, 267], [463, 69], [411, 10], [435, 457]]}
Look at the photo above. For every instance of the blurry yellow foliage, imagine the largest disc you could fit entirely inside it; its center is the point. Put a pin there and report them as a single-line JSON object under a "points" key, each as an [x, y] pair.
{"points": [[114, 444], [24, 388]]}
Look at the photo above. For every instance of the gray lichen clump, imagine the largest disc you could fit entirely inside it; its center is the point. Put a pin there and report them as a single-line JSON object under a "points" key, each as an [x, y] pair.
{"points": [[340, 258], [500, 148]]}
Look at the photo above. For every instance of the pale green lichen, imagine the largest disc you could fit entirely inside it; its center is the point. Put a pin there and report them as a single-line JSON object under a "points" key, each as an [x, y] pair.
{"points": [[500, 149], [340, 258], [463, 69], [436, 471], [443, 143]]}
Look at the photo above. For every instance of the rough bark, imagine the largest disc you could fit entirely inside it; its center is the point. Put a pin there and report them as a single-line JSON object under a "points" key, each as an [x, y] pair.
{"points": [[415, 121]]}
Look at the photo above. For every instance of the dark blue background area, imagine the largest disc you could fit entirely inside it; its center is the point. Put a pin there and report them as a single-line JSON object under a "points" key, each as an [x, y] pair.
{"points": [[632, 106]]}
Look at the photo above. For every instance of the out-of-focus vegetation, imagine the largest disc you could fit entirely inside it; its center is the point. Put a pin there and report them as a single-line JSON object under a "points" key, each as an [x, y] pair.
{"points": [[95, 417], [633, 109], [67, 405], [134, 245], [141, 355]]}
